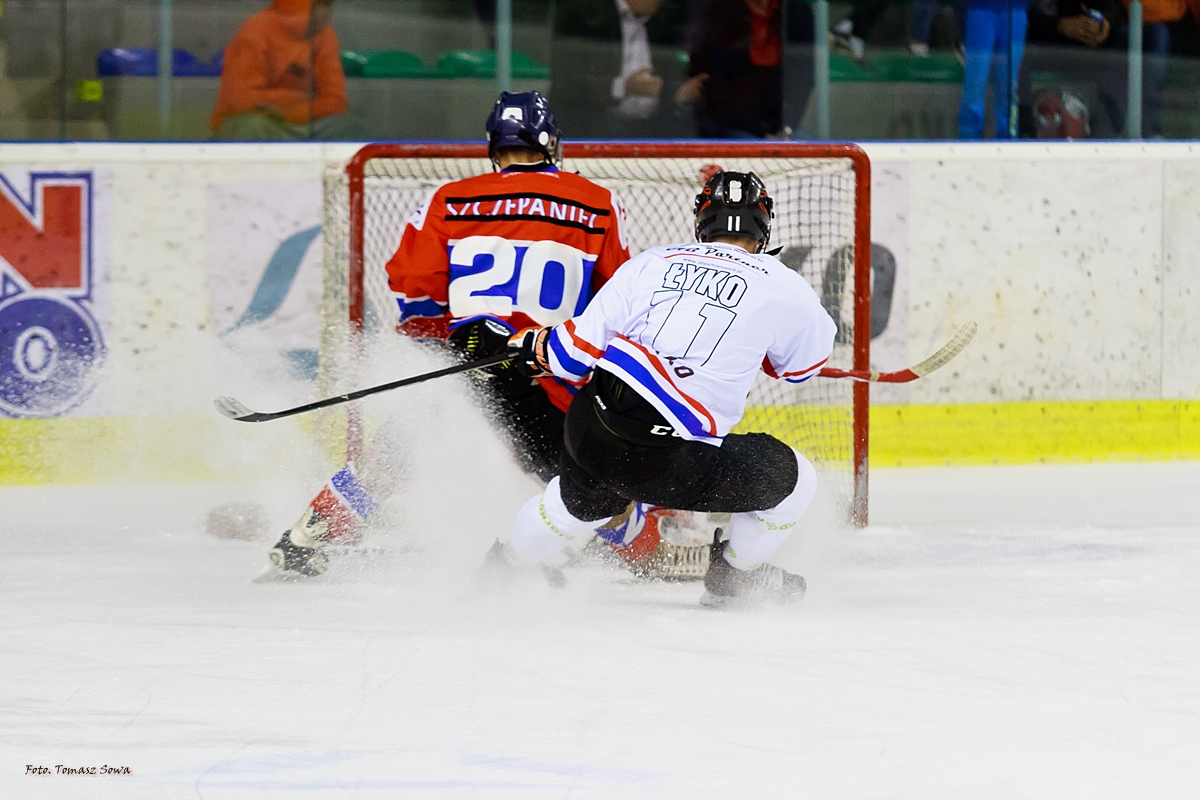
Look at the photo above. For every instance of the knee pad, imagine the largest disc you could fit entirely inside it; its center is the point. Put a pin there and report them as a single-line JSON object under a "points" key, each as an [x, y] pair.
{"points": [[775, 468], [754, 536]]}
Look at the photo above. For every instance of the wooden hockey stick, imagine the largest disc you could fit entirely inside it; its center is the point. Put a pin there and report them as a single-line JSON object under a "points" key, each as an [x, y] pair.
{"points": [[231, 408], [957, 342]]}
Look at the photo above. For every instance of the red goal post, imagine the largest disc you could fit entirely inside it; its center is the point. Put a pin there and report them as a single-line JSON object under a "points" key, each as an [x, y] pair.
{"points": [[815, 186]]}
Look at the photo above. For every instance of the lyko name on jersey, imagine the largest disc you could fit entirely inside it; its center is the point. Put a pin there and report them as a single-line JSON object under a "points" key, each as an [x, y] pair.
{"points": [[715, 284]]}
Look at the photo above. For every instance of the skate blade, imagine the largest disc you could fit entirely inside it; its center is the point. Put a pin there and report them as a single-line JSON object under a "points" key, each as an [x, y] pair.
{"points": [[272, 574], [341, 557], [718, 601], [746, 603], [725, 602]]}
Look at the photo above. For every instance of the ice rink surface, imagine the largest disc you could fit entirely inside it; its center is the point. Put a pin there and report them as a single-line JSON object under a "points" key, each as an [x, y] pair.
{"points": [[996, 632]]}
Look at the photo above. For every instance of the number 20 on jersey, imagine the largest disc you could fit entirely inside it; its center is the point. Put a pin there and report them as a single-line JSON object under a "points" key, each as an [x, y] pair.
{"points": [[547, 281]]}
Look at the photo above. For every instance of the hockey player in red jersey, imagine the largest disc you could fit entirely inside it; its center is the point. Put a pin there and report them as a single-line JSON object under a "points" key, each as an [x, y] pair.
{"points": [[670, 349], [525, 245], [482, 258]]}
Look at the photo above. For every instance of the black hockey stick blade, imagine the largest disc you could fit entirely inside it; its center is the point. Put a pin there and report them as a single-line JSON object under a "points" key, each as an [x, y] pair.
{"points": [[230, 407]]}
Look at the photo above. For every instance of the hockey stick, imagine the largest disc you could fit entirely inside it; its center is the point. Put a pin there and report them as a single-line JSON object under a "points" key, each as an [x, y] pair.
{"points": [[952, 348], [231, 408]]}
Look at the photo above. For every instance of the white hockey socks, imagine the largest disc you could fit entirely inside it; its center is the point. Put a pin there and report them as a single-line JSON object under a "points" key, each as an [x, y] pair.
{"points": [[544, 527], [754, 536]]}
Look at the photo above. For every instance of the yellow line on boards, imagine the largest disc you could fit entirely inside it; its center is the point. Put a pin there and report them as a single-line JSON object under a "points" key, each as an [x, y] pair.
{"points": [[1001, 433], [1034, 432], [191, 449], [82, 450]]}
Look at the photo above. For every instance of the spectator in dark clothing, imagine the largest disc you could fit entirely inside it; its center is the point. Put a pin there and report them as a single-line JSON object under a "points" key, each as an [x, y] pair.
{"points": [[1065, 37], [921, 25], [1091, 40], [1071, 22], [610, 62], [486, 11], [736, 67], [851, 34], [1157, 16]]}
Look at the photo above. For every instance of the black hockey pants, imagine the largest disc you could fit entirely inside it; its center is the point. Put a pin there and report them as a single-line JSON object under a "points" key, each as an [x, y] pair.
{"points": [[532, 424], [618, 449]]}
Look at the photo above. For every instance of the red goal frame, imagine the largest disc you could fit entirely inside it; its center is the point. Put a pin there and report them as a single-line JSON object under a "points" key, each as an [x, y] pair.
{"points": [[665, 149]]}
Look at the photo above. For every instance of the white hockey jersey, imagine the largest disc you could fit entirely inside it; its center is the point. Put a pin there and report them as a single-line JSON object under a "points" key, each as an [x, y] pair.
{"points": [[689, 326]]}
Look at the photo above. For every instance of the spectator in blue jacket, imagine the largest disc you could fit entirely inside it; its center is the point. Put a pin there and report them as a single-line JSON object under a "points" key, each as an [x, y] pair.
{"points": [[995, 43]]}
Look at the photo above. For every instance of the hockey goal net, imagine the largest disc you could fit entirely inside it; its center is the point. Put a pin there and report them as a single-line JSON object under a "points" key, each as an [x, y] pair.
{"points": [[822, 204]]}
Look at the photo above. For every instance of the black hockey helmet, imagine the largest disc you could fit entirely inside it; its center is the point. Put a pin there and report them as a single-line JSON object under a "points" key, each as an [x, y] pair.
{"points": [[524, 119], [734, 204]]}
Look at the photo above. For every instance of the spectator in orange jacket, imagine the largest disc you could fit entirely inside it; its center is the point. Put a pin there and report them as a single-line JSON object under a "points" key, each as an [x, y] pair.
{"points": [[283, 78]]}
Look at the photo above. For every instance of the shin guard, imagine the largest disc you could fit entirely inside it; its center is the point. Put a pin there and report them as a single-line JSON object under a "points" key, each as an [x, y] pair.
{"points": [[754, 536], [544, 527], [335, 514]]}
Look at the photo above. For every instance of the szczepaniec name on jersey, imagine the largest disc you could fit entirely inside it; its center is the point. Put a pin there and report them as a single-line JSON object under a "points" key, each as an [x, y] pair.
{"points": [[525, 206]]}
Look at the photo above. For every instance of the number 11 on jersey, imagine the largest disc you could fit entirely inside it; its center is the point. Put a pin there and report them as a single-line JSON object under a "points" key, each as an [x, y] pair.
{"points": [[687, 327]]}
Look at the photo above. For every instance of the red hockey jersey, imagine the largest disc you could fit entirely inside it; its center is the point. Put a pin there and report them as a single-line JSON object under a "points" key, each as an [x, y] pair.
{"points": [[528, 246]]}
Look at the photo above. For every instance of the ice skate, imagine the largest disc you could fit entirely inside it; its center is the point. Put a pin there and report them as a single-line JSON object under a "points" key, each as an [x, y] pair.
{"points": [[727, 586], [286, 556], [299, 552]]}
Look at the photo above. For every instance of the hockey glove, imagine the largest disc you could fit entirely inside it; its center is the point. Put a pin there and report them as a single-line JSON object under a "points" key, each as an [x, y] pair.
{"points": [[532, 352], [480, 338]]}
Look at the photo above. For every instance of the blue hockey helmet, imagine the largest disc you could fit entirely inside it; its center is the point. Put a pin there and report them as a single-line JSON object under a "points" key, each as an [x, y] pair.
{"points": [[524, 119]]}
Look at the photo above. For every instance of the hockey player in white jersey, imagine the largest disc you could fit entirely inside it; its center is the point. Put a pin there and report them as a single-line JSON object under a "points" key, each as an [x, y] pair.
{"points": [[669, 350]]}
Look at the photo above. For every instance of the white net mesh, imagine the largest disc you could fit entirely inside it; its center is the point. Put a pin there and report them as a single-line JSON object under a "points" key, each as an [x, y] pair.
{"points": [[815, 224]]}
